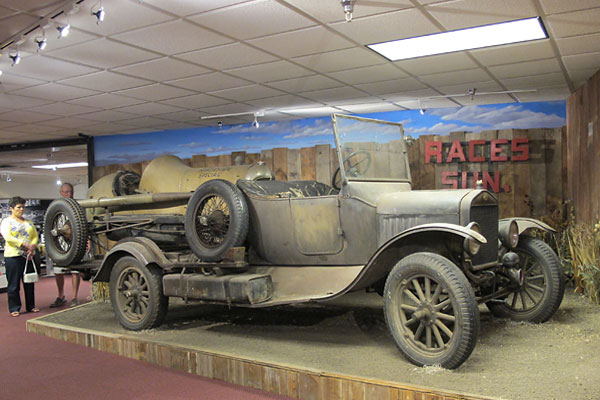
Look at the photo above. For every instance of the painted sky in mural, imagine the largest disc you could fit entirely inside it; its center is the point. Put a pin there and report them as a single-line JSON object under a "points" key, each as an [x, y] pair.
{"points": [[119, 149]]}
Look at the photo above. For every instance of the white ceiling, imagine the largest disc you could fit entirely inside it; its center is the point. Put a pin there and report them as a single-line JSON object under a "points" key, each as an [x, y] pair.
{"points": [[156, 65]]}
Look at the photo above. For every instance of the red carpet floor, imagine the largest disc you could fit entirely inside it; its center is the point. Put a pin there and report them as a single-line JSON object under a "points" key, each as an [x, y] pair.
{"points": [[37, 367]]}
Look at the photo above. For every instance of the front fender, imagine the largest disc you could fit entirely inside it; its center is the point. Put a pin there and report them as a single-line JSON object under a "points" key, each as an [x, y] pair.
{"points": [[525, 223], [428, 237], [141, 248]]}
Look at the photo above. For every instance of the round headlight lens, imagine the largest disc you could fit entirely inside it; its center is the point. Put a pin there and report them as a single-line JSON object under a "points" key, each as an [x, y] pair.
{"points": [[472, 246], [513, 234]]}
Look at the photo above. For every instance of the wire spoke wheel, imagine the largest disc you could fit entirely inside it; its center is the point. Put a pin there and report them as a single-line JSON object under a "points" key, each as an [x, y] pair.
{"points": [[136, 294], [542, 290], [216, 219], [213, 221], [431, 310]]}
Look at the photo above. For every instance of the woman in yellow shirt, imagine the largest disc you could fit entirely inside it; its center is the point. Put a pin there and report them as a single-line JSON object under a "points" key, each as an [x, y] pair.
{"points": [[20, 238]]}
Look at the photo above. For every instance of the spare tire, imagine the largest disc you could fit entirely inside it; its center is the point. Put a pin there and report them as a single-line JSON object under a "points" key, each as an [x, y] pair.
{"points": [[65, 231], [216, 219]]}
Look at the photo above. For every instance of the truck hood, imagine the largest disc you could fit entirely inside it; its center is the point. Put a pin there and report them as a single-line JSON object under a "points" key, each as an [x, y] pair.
{"points": [[426, 202]]}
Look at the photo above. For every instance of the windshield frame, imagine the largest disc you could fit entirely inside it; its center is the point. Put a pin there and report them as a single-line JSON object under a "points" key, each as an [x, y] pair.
{"points": [[339, 150]]}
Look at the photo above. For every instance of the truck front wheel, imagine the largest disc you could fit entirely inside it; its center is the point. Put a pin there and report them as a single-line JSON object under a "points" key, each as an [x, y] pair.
{"points": [[431, 311], [136, 294]]}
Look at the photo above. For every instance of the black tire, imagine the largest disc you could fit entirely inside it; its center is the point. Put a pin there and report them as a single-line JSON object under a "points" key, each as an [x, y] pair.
{"points": [[65, 231], [216, 219], [431, 311], [136, 294], [543, 286]]}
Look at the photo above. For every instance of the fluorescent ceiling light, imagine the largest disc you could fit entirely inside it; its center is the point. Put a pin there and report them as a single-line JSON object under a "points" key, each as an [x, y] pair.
{"points": [[464, 39], [57, 166]]}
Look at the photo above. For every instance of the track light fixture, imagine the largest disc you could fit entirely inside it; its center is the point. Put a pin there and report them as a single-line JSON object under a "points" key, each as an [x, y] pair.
{"points": [[255, 123], [99, 13], [219, 124], [421, 109], [8, 178], [348, 6], [0, 72], [15, 57], [63, 30], [41, 42]]}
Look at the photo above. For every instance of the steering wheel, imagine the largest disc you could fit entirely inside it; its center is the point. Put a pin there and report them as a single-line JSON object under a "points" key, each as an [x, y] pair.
{"points": [[351, 164]]}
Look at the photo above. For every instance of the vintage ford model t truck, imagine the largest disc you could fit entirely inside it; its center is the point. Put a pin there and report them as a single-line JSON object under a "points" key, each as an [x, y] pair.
{"points": [[235, 236]]}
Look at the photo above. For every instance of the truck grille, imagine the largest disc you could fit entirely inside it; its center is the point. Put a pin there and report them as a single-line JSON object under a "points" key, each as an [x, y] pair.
{"points": [[487, 218]]}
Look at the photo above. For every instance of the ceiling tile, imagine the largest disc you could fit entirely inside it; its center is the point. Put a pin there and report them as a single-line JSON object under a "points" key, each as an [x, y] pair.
{"points": [[34, 128], [306, 41], [150, 109], [228, 56], [305, 84], [376, 73], [268, 72], [51, 69], [69, 122], [162, 69], [391, 26], [534, 81], [469, 13], [182, 116], [102, 53], [105, 81], [579, 44], [525, 68], [155, 92], [340, 60], [55, 92], [25, 117], [437, 64], [53, 43], [120, 16], [10, 81], [574, 23], [62, 109], [12, 101], [106, 101], [146, 122], [108, 128], [108, 116], [253, 19], [251, 92], [286, 101], [189, 7], [209, 82], [173, 37], [391, 86], [580, 76], [333, 12], [582, 61], [456, 77], [327, 95], [196, 101], [561, 6], [228, 109], [514, 53]]}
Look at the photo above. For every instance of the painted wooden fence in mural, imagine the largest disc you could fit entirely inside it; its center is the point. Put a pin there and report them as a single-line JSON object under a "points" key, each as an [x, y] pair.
{"points": [[525, 168]]}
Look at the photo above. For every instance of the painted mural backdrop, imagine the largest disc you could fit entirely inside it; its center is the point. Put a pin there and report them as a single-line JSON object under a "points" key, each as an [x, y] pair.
{"points": [[211, 141]]}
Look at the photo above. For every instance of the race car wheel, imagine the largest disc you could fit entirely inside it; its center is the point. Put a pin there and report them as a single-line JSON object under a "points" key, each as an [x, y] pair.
{"points": [[216, 219], [136, 294], [431, 311], [541, 293], [65, 231]]}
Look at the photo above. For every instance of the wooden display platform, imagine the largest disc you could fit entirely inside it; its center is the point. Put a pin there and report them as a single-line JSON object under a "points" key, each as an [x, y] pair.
{"points": [[281, 379]]}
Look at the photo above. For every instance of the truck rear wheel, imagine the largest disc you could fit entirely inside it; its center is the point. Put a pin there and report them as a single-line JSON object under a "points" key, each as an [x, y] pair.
{"points": [[66, 232], [431, 311], [216, 219], [136, 294]]}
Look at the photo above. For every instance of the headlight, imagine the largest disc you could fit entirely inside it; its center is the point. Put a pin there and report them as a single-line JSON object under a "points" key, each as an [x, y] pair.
{"points": [[472, 246], [509, 235]]}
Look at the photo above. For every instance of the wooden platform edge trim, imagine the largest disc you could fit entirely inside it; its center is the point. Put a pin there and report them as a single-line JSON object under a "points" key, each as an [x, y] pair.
{"points": [[303, 384]]}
